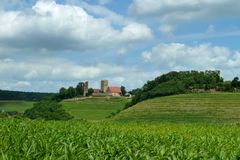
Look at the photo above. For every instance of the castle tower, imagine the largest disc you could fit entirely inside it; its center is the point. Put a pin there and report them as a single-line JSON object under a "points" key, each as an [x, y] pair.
{"points": [[104, 86], [85, 88]]}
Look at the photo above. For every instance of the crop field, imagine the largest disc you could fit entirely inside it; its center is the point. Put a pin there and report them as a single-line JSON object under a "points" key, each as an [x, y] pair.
{"points": [[20, 106], [25, 139], [94, 108], [186, 108]]}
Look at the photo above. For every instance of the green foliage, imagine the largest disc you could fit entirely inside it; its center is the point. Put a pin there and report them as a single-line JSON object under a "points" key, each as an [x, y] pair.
{"points": [[47, 110], [11, 114], [90, 92], [123, 90], [235, 82], [27, 96], [72, 92], [80, 89], [177, 82], [84, 140]]}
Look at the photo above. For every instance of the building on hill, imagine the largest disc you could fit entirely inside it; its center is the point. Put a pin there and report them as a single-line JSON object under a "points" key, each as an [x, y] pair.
{"points": [[114, 91], [96, 91], [107, 91], [104, 86]]}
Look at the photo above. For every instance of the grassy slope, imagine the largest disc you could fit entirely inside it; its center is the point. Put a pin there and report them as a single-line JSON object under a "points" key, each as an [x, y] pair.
{"points": [[20, 106], [94, 108], [204, 107]]}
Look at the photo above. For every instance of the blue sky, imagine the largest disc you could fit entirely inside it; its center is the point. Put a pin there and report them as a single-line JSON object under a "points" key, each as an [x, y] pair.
{"points": [[47, 44]]}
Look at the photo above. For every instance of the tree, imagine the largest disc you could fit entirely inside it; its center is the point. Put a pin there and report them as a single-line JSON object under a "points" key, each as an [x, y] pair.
{"points": [[71, 92], [63, 93], [123, 90], [235, 82], [80, 89], [90, 91], [47, 110]]}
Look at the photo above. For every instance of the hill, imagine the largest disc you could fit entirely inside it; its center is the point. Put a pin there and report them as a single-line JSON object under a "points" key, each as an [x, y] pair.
{"points": [[174, 83], [199, 107], [96, 108], [19, 95]]}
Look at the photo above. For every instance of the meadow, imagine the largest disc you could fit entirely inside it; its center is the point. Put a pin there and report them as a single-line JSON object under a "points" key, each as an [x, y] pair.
{"points": [[186, 108], [96, 108], [19, 106]]}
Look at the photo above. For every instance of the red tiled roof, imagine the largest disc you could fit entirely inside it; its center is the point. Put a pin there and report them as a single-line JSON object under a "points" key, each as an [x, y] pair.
{"points": [[114, 89]]}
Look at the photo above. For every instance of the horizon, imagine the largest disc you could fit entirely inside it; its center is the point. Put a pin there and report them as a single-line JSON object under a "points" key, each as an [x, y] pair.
{"points": [[49, 44]]}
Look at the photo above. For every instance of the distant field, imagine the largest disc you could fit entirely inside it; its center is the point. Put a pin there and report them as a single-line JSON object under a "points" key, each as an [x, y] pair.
{"points": [[94, 108], [203, 107], [20, 106]]}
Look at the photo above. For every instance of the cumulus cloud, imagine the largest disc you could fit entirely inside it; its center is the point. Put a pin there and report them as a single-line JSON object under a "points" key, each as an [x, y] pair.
{"points": [[177, 56], [55, 27], [172, 12], [50, 74], [102, 11]]}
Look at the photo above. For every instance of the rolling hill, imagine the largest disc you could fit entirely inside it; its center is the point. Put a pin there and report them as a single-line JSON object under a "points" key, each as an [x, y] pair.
{"points": [[201, 107], [96, 108]]}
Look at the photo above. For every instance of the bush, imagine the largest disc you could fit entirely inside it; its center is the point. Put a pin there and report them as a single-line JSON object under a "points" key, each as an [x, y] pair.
{"points": [[47, 110]]}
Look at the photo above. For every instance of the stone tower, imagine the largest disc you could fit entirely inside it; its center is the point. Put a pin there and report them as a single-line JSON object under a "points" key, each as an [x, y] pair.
{"points": [[85, 88], [104, 86]]}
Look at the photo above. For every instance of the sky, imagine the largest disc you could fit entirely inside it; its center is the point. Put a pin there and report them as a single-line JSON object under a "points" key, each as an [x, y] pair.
{"points": [[48, 44]]}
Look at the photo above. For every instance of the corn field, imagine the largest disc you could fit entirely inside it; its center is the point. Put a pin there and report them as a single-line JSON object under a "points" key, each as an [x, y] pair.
{"points": [[25, 139]]}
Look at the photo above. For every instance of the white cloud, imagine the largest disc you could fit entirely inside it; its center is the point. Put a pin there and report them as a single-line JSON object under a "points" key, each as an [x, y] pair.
{"points": [[58, 27], [171, 10], [106, 13], [50, 74], [173, 13], [176, 56]]}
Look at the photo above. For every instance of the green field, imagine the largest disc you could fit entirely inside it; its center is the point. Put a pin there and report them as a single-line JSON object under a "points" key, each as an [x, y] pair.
{"points": [[94, 108], [174, 127], [25, 139], [20, 106], [202, 107]]}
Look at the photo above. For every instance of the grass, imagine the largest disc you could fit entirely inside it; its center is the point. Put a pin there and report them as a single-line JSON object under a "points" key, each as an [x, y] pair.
{"points": [[20, 106], [25, 139], [94, 108], [202, 107]]}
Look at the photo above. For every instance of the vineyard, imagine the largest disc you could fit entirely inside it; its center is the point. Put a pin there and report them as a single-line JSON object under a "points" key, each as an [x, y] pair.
{"points": [[25, 139]]}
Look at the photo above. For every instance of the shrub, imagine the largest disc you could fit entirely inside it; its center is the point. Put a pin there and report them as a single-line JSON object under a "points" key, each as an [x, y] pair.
{"points": [[47, 110]]}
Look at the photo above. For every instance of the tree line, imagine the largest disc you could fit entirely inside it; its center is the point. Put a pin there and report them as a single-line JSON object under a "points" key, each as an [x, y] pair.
{"points": [[27, 96]]}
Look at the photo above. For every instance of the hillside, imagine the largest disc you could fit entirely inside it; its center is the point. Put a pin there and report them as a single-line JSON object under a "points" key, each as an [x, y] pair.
{"points": [[201, 107], [94, 108]]}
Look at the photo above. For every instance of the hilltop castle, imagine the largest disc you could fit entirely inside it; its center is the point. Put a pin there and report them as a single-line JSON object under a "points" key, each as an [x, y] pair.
{"points": [[106, 90]]}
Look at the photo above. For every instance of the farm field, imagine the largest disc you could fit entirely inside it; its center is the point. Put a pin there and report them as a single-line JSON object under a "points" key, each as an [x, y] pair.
{"points": [[96, 108], [189, 108], [76, 139], [20, 106]]}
